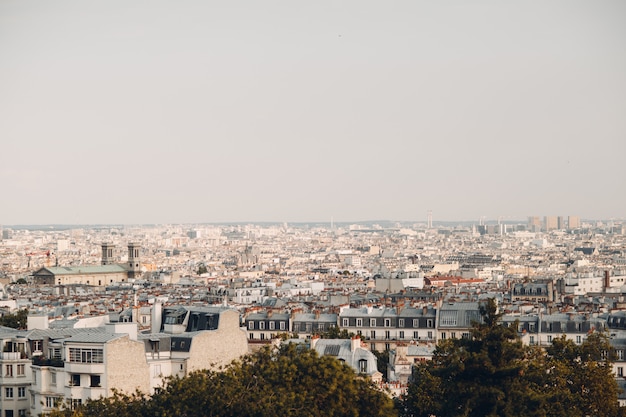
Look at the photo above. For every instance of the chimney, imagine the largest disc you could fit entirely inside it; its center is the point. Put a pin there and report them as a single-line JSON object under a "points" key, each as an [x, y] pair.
{"points": [[317, 314], [607, 279], [157, 316], [269, 313], [355, 343], [425, 310], [314, 340]]}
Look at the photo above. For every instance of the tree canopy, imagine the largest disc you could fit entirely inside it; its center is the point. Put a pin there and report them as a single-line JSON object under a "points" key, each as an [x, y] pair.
{"points": [[493, 374], [289, 381], [17, 320]]}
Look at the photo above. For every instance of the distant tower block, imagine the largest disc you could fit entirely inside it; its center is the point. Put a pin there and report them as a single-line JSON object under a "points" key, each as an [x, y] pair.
{"points": [[107, 253], [134, 262], [429, 222]]}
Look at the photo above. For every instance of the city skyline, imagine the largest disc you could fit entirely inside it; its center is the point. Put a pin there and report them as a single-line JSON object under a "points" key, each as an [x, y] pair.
{"points": [[208, 112]]}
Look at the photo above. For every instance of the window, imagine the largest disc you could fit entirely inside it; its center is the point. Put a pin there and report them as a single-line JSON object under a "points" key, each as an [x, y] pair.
{"points": [[373, 334], [400, 322], [416, 335], [53, 378], [465, 335], [156, 370], [453, 335], [549, 338], [21, 369], [76, 403], [74, 380], [363, 365], [54, 353], [85, 355], [443, 335], [21, 413], [532, 340], [429, 323], [387, 322], [372, 322], [387, 335], [51, 402], [261, 325], [620, 371], [250, 325], [430, 335], [8, 370], [272, 325], [21, 392], [345, 322], [8, 392], [359, 322], [34, 377], [401, 334], [416, 323], [448, 318], [282, 325], [620, 354], [95, 381], [36, 345], [8, 413], [579, 340]]}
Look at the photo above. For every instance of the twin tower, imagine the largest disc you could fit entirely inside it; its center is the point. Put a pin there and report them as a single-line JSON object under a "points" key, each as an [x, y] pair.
{"points": [[134, 262]]}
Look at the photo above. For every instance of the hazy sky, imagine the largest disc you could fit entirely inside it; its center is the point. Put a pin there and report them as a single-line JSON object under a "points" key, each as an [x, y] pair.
{"points": [[207, 111]]}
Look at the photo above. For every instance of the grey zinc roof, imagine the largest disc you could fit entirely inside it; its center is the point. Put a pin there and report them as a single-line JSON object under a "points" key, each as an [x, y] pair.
{"points": [[91, 337], [325, 318], [39, 334], [86, 269]]}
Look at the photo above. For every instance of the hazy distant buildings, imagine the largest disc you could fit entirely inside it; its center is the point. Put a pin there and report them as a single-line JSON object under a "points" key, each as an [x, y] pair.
{"points": [[573, 222], [550, 223], [534, 223]]}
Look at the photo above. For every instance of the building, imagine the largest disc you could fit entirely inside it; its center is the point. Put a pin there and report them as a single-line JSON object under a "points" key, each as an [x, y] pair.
{"points": [[351, 352], [106, 273]]}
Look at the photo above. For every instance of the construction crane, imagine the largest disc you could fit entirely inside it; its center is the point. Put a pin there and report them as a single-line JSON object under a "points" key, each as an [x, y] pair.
{"points": [[47, 254]]}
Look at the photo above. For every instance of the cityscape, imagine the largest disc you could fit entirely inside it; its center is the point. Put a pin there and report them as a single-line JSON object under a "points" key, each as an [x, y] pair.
{"points": [[173, 299], [292, 208]]}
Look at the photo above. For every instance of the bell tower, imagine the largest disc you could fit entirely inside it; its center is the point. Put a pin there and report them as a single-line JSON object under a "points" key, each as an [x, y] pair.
{"points": [[134, 261], [107, 253]]}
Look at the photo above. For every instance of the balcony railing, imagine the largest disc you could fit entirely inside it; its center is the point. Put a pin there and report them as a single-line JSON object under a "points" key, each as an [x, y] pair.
{"points": [[41, 361]]}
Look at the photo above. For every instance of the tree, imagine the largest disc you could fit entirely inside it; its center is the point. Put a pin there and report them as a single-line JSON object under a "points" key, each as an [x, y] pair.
{"points": [[290, 381], [493, 374], [17, 320]]}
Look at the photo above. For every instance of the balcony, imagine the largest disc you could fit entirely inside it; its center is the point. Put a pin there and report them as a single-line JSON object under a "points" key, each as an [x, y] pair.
{"points": [[41, 361], [12, 355]]}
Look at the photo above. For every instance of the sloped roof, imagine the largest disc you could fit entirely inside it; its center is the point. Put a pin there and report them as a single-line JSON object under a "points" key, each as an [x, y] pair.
{"points": [[83, 269]]}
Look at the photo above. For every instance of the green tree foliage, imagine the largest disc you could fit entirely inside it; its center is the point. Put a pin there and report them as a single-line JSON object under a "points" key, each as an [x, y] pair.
{"points": [[494, 374], [17, 320], [334, 332], [289, 381]]}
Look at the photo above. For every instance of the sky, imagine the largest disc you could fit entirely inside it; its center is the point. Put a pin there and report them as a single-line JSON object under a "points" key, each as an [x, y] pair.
{"points": [[137, 112]]}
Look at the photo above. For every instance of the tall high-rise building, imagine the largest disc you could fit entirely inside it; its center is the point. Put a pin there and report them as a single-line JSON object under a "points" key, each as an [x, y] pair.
{"points": [[534, 223], [550, 223], [560, 223], [573, 222]]}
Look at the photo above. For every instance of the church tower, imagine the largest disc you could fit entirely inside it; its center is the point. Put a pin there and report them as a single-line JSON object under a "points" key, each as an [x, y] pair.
{"points": [[134, 262], [107, 253]]}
